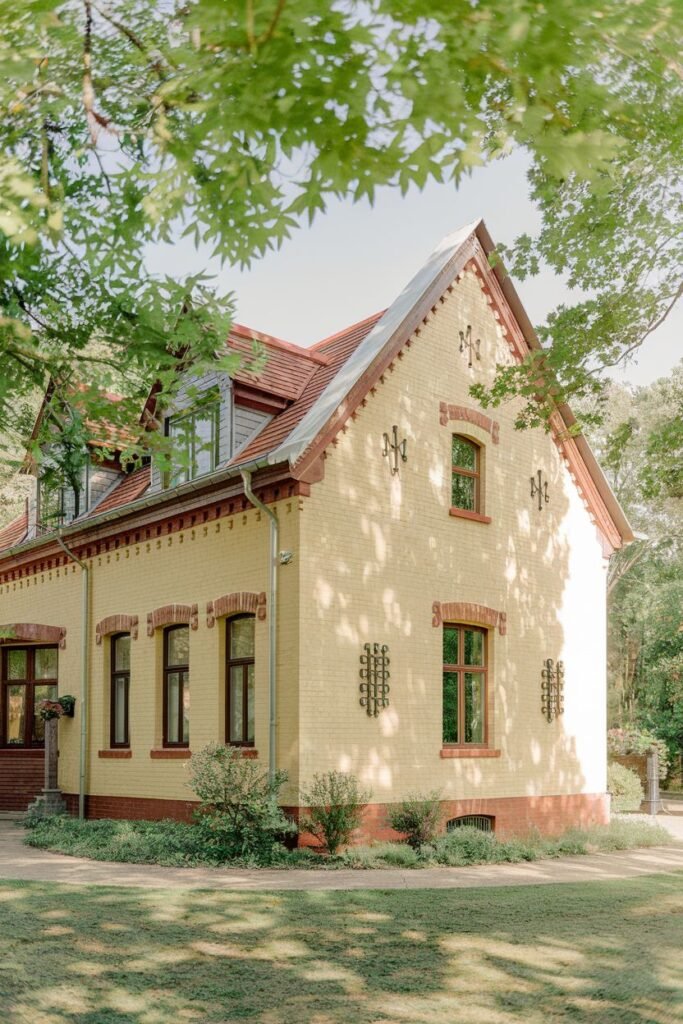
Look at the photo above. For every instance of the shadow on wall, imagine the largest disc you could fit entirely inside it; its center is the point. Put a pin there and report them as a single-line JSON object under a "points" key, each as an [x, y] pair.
{"points": [[396, 551]]}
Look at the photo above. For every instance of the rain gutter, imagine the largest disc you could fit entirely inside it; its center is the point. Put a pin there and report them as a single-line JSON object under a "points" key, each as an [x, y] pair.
{"points": [[85, 649], [272, 618]]}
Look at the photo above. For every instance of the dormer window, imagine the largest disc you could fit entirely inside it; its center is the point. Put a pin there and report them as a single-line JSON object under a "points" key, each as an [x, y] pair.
{"points": [[195, 440]]}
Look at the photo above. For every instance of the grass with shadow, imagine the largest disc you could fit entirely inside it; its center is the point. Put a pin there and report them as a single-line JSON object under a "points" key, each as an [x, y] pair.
{"points": [[602, 952]]}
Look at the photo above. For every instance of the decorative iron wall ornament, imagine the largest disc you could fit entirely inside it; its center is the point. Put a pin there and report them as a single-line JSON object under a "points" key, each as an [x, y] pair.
{"points": [[541, 489], [395, 448], [552, 689], [375, 675], [468, 345]]}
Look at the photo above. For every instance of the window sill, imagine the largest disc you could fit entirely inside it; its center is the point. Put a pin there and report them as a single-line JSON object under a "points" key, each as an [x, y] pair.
{"points": [[22, 751], [469, 752], [248, 752], [463, 513], [115, 753], [170, 753]]}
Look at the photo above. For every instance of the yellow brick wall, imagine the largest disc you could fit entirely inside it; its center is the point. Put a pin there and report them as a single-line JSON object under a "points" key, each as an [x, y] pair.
{"points": [[372, 552], [378, 550], [192, 566]]}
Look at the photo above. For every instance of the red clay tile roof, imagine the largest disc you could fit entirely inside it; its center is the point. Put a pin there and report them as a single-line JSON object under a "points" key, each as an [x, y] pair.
{"points": [[337, 348], [288, 367], [131, 487], [15, 531]]}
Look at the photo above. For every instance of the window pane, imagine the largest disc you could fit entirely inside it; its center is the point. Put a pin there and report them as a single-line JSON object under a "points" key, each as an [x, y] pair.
{"points": [[186, 707], [178, 649], [463, 492], [172, 698], [464, 453], [16, 663], [120, 684], [474, 707], [205, 442], [16, 714], [450, 646], [242, 638], [236, 709], [474, 647], [46, 663], [41, 693], [121, 647], [180, 433], [250, 703], [450, 707]]}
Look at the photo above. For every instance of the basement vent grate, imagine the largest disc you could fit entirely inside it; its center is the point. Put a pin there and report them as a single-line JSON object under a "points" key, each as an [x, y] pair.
{"points": [[484, 822]]}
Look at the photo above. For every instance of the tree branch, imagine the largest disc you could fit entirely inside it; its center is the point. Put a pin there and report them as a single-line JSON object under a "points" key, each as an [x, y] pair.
{"points": [[269, 32]]}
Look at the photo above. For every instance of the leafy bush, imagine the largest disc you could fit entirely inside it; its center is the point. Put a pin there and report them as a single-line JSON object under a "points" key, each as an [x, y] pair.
{"points": [[638, 741], [417, 818], [625, 787], [465, 845], [239, 817], [170, 843], [380, 855], [175, 844], [335, 803]]}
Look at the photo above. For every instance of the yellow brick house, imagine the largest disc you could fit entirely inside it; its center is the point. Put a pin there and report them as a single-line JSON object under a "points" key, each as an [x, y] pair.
{"points": [[354, 568]]}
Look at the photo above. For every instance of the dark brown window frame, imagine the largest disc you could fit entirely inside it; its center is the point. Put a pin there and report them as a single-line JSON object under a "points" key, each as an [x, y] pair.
{"points": [[167, 670], [114, 675], [472, 474], [229, 663], [461, 669], [30, 683]]}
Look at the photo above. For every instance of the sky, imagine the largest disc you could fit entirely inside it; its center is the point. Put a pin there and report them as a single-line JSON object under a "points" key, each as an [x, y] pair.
{"points": [[356, 258]]}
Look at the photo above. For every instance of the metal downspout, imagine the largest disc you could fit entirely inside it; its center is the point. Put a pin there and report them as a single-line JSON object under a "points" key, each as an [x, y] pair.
{"points": [[85, 642], [272, 617]]}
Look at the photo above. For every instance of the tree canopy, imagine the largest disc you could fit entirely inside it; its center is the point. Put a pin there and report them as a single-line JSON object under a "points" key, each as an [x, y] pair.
{"points": [[640, 445], [128, 122]]}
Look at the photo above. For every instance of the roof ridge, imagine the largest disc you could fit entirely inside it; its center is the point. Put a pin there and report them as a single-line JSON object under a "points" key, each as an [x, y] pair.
{"points": [[345, 330], [268, 339]]}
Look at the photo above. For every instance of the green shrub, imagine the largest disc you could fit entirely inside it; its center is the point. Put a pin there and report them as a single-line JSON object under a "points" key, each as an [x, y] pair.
{"points": [[463, 846], [170, 843], [335, 803], [638, 741], [239, 817], [625, 788], [380, 855], [417, 818]]}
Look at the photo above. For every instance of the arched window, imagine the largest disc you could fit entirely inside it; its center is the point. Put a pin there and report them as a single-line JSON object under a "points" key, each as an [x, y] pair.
{"points": [[177, 686], [464, 685], [239, 704], [466, 474], [120, 686], [29, 675]]}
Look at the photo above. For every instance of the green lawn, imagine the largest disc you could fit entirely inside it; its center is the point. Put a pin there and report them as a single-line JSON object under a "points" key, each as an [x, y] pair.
{"points": [[602, 952]]}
